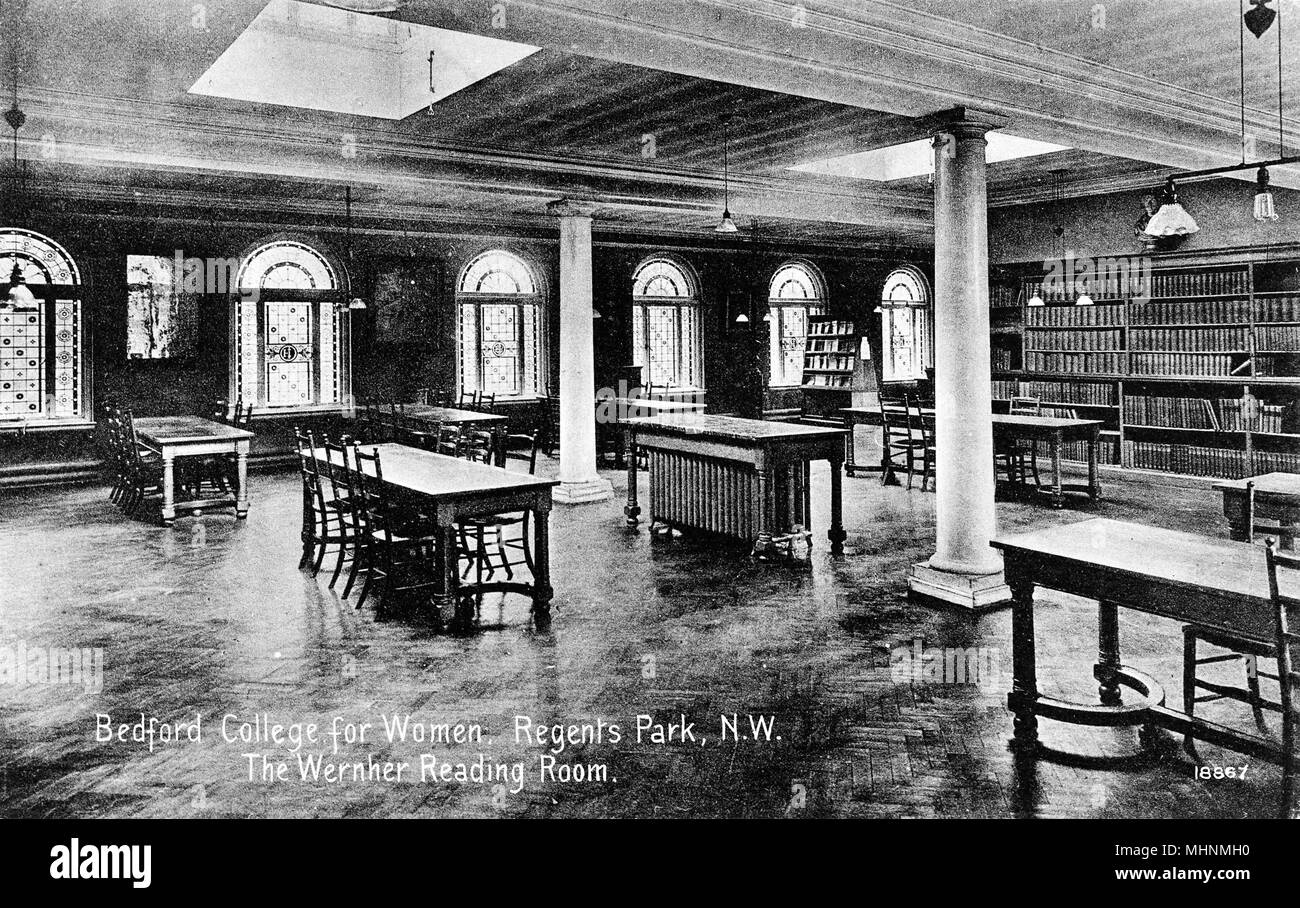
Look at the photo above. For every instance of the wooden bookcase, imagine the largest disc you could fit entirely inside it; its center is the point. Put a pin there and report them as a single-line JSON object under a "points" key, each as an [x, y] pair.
{"points": [[830, 362], [1201, 378]]}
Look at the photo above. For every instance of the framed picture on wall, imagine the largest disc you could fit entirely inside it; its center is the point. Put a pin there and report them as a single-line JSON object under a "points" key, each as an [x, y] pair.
{"points": [[161, 319]]}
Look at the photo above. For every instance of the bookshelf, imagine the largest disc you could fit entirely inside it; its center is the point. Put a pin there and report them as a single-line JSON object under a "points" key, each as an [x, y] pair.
{"points": [[1200, 378]]}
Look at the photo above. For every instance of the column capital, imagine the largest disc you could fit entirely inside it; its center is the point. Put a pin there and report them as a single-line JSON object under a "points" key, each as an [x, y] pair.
{"points": [[964, 122], [572, 208]]}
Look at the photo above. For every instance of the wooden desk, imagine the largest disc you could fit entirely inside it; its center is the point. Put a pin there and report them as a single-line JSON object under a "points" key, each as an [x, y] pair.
{"points": [[194, 436], [450, 489], [1277, 497], [612, 412], [1215, 584], [743, 478], [1056, 432]]}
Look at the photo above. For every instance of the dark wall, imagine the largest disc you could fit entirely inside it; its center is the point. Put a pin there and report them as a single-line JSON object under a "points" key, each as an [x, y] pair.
{"points": [[406, 339]]}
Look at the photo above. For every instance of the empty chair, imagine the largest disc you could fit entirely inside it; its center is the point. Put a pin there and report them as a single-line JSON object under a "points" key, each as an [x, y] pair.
{"points": [[487, 403], [1019, 457], [143, 468], [487, 543], [468, 400], [322, 525], [480, 446], [423, 396], [896, 439], [399, 556], [550, 424], [1286, 632], [341, 500], [450, 439]]}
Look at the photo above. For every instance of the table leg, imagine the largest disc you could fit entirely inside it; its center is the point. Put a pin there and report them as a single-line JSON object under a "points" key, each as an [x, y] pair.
{"points": [[169, 489], [1094, 476], [1234, 508], [632, 510], [1058, 497], [241, 480], [1024, 682], [1108, 653], [836, 533], [766, 493], [850, 456], [542, 590], [461, 618]]}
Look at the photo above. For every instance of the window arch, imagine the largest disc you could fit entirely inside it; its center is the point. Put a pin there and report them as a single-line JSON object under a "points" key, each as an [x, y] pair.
{"points": [[795, 292], [291, 348], [666, 324], [43, 362], [499, 326], [906, 325]]}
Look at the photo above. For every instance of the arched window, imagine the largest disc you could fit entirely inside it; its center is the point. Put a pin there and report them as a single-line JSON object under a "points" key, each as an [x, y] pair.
{"points": [[796, 292], [291, 338], [499, 326], [908, 331], [43, 362], [666, 324]]}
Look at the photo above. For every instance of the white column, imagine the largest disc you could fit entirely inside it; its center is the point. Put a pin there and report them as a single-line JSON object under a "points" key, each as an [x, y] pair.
{"points": [[579, 482], [964, 569]]}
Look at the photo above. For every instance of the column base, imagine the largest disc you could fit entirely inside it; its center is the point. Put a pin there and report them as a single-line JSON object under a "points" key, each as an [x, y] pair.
{"points": [[587, 492], [975, 592]]}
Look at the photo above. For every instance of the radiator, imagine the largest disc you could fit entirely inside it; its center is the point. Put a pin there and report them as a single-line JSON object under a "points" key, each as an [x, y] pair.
{"points": [[721, 496]]}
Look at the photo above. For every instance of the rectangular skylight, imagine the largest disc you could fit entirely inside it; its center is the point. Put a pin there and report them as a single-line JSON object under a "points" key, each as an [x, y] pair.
{"points": [[323, 58], [914, 159]]}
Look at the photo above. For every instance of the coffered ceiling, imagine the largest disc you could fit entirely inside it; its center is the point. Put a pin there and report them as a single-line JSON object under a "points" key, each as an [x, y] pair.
{"points": [[623, 102]]}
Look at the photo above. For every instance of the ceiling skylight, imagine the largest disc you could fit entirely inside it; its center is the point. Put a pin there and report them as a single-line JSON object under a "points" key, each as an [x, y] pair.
{"points": [[914, 159], [322, 58]]}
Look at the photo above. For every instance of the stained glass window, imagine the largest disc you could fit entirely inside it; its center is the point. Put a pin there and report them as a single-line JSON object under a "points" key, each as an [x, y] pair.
{"points": [[291, 343], [42, 351], [794, 294], [907, 329], [499, 326], [666, 324]]}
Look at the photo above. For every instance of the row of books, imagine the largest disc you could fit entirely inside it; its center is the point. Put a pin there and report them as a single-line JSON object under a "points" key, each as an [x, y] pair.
{"points": [[1277, 309], [1189, 312], [1173, 412], [1070, 391], [1077, 451], [1192, 364], [1080, 363], [840, 362], [1277, 339], [837, 345], [1046, 339], [832, 327], [1200, 283], [1251, 416], [1188, 339], [1002, 359], [826, 380], [1275, 462], [1073, 316], [1191, 460], [1000, 296]]}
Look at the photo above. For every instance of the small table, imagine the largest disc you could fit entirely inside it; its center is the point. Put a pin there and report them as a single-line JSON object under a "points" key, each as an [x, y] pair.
{"points": [[1277, 497], [1055, 431], [743, 478], [450, 489], [1208, 582], [194, 436]]}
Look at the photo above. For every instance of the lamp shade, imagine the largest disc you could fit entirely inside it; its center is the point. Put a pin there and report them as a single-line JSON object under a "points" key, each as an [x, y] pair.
{"points": [[1172, 218], [726, 225], [356, 304]]}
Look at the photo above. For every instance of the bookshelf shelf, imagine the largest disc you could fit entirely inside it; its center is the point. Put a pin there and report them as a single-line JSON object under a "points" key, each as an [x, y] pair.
{"points": [[1182, 377]]}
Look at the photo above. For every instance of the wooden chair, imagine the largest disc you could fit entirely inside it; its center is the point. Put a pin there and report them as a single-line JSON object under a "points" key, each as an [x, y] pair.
{"points": [[549, 421], [450, 439], [896, 439], [1018, 457], [487, 403], [488, 535], [423, 396], [1233, 649], [341, 501], [398, 555], [480, 446], [923, 431], [468, 400], [320, 522], [1286, 627], [374, 429]]}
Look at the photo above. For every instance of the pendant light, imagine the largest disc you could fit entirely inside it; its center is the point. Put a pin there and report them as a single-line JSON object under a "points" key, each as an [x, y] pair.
{"points": [[1264, 209], [726, 225], [356, 303], [19, 297], [1172, 218]]}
